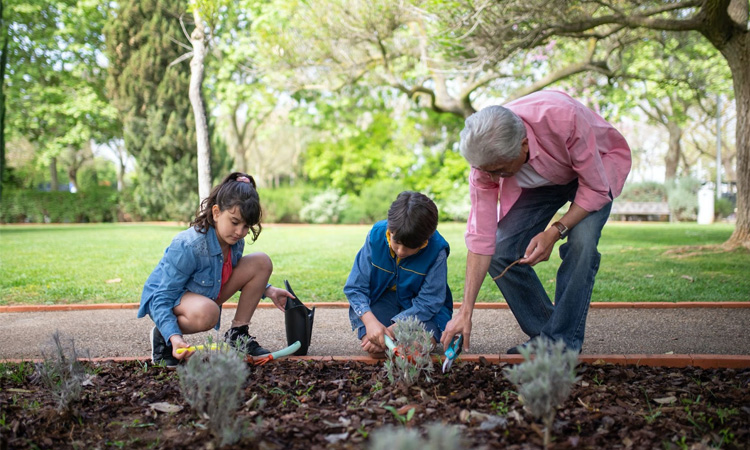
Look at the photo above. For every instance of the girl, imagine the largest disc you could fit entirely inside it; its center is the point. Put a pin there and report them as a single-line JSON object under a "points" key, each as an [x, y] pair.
{"points": [[203, 267]]}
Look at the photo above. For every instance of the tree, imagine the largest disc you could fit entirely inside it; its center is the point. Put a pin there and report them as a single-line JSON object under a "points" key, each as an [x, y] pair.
{"points": [[151, 100], [206, 18], [724, 23], [414, 48], [671, 78], [5, 39], [54, 84]]}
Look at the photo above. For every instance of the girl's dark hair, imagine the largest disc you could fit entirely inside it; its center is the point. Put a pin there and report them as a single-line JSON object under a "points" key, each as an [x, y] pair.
{"points": [[412, 219], [237, 189]]}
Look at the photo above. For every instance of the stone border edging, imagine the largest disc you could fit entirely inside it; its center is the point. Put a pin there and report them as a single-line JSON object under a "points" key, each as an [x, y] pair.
{"points": [[648, 360], [334, 305]]}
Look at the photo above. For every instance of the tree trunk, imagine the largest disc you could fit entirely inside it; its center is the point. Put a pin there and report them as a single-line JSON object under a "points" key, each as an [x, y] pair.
{"points": [[674, 151], [197, 39], [3, 63], [53, 174], [737, 53]]}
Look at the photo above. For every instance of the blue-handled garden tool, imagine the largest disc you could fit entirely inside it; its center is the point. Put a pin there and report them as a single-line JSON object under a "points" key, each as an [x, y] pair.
{"points": [[283, 353], [452, 352]]}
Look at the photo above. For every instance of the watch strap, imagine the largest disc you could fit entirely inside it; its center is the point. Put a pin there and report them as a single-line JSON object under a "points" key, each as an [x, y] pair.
{"points": [[562, 229]]}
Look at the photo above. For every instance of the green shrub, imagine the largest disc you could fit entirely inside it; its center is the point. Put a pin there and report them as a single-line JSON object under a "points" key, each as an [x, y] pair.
{"points": [[683, 197], [646, 191], [455, 204], [95, 205], [724, 207], [326, 207], [283, 204], [211, 382]]}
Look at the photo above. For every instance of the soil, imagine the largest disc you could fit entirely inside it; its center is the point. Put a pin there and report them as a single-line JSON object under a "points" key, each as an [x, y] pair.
{"points": [[316, 405]]}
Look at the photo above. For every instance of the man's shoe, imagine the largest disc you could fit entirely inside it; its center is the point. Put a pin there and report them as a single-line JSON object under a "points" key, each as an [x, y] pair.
{"points": [[161, 353], [238, 338], [517, 349]]}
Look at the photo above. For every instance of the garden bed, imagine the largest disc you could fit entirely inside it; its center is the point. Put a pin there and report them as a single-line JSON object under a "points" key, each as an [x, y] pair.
{"points": [[315, 404]]}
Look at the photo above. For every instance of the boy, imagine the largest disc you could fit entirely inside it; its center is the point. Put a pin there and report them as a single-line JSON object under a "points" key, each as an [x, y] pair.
{"points": [[401, 271]]}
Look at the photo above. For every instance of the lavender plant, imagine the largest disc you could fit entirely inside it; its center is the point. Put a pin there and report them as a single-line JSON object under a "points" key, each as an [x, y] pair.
{"points": [[211, 382], [545, 381], [62, 373], [438, 437], [414, 360]]}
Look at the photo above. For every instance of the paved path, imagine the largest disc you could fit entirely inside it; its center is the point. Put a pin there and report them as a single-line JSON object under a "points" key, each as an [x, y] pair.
{"points": [[118, 333]]}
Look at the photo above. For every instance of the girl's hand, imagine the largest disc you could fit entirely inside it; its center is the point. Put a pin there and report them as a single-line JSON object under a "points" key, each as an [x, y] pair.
{"points": [[178, 342], [278, 297]]}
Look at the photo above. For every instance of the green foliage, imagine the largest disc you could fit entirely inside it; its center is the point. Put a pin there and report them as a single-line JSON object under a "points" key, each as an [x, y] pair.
{"points": [[545, 381], [62, 373], [724, 207], [414, 344], [438, 437], [373, 151], [284, 204], [211, 382], [152, 102], [55, 92], [683, 197], [99, 204], [373, 202], [326, 207], [646, 191]]}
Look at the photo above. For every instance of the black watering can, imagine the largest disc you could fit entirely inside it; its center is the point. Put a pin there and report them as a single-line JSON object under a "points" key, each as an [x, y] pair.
{"points": [[299, 322]]}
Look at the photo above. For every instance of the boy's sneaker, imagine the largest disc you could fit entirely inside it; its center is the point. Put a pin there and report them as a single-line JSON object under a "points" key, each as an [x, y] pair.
{"points": [[238, 338], [161, 353]]}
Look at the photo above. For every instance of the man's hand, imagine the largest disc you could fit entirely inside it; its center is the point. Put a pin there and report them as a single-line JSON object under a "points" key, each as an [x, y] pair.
{"points": [[278, 296], [540, 247], [178, 342], [459, 324]]}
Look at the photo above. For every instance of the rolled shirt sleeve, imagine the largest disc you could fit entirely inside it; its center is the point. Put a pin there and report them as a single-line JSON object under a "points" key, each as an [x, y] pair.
{"points": [[483, 216]]}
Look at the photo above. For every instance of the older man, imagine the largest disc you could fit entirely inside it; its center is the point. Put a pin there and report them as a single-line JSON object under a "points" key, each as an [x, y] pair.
{"points": [[528, 159]]}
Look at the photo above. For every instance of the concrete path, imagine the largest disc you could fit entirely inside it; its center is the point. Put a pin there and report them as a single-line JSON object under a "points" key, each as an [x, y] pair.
{"points": [[110, 333]]}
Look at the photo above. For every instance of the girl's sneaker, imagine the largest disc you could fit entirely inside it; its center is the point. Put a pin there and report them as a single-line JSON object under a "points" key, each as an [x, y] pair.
{"points": [[238, 338], [161, 353]]}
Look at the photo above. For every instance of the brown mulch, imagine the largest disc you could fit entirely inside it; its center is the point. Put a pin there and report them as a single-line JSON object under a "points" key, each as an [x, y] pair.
{"points": [[316, 405]]}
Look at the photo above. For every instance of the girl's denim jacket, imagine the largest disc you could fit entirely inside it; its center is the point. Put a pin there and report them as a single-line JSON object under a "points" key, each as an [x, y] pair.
{"points": [[192, 262]]}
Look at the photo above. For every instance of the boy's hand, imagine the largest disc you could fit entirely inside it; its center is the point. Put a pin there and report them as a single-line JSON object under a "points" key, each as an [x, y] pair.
{"points": [[178, 342], [376, 332], [278, 296]]}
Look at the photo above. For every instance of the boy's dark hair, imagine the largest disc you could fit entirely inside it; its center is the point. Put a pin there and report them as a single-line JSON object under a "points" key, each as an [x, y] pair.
{"points": [[237, 189], [412, 219]]}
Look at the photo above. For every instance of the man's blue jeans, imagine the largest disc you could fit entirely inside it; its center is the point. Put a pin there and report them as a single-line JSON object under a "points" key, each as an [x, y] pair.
{"points": [[530, 304]]}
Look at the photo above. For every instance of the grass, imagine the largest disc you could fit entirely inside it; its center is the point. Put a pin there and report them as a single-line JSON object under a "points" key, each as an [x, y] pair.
{"points": [[67, 264]]}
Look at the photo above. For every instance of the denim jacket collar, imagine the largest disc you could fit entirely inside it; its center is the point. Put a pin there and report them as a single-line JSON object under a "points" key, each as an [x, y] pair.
{"points": [[213, 242]]}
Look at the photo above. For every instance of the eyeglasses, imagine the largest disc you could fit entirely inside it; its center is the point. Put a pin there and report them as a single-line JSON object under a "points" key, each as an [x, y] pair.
{"points": [[502, 172]]}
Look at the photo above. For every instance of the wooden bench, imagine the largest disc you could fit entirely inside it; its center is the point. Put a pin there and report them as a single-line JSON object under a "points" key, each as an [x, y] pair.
{"points": [[645, 210]]}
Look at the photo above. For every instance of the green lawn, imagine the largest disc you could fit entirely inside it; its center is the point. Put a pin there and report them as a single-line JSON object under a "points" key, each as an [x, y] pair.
{"points": [[60, 264]]}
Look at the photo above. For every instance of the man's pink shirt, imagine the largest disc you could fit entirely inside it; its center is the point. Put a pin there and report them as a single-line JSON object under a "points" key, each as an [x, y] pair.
{"points": [[567, 140]]}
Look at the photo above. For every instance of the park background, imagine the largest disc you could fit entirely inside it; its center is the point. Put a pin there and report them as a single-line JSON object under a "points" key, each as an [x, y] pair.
{"points": [[119, 113]]}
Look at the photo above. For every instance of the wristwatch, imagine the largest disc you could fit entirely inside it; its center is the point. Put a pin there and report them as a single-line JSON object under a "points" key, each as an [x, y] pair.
{"points": [[562, 229]]}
